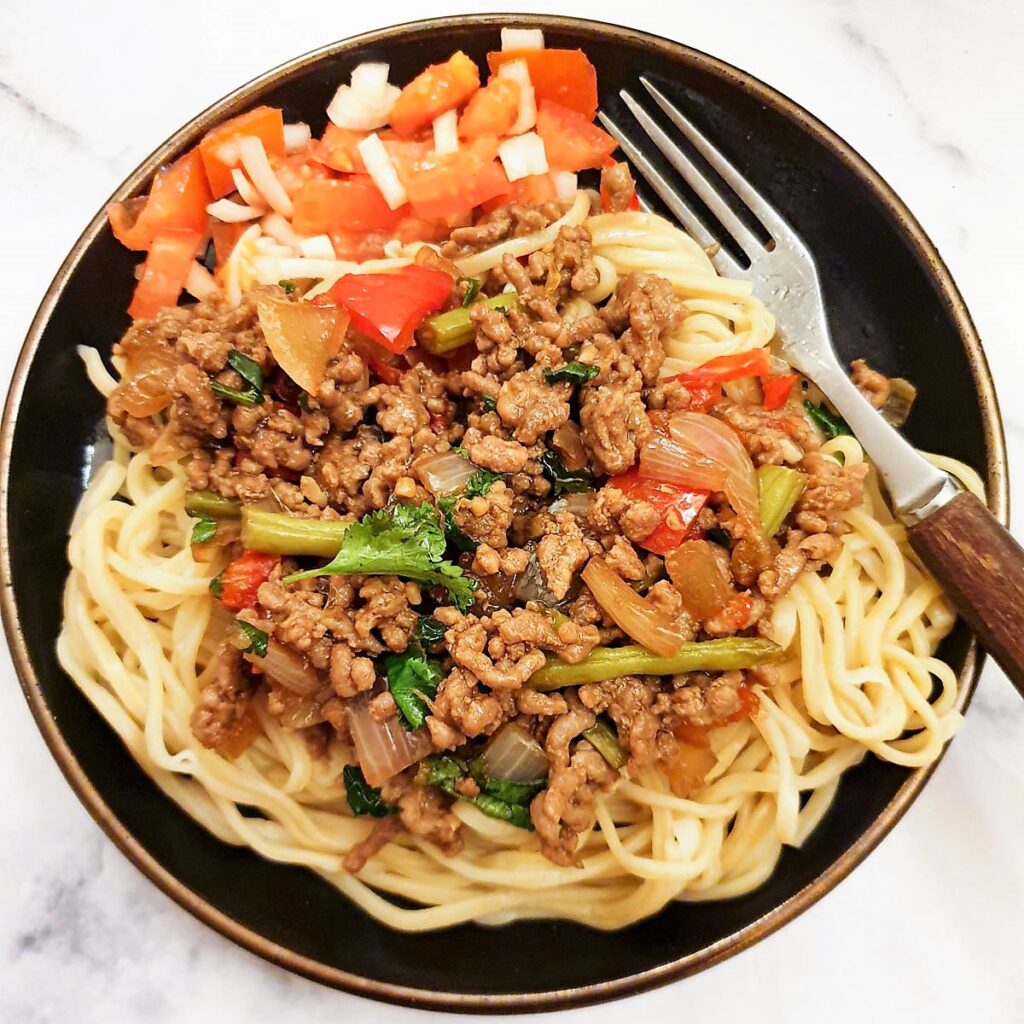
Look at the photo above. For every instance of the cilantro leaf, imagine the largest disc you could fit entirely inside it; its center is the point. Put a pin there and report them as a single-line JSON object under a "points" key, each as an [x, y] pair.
{"points": [[203, 530], [481, 482], [362, 797], [403, 540], [564, 481], [461, 452], [412, 680], [250, 372], [256, 637], [573, 373], [490, 404]]}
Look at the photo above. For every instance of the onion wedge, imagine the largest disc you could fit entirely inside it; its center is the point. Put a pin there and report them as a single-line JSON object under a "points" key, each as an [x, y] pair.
{"points": [[303, 338]]}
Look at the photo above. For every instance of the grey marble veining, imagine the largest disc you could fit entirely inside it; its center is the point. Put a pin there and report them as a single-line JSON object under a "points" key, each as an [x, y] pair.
{"points": [[930, 92]]}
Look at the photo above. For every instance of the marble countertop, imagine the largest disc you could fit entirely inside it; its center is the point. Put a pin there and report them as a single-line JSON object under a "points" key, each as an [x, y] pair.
{"points": [[930, 92]]}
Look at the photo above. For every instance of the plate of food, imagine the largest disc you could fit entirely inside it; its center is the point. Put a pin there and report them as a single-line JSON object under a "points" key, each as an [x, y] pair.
{"points": [[421, 560]]}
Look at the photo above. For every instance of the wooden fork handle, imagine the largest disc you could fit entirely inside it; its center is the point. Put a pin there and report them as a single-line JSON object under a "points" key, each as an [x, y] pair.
{"points": [[981, 567]]}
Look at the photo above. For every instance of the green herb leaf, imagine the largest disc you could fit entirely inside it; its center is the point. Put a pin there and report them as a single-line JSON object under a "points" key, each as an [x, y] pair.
{"points": [[481, 482], [428, 633], [247, 397], [443, 771], [288, 286], [573, 373], [472, 289], [504, 789], [250, 372], [457, 537], [514, 814], [403, 540], [256, 637], [413, 680], [216, 586], [830, 425], [203, 530], [564, 481], [362, 797], [490, 404], [461, 452]]}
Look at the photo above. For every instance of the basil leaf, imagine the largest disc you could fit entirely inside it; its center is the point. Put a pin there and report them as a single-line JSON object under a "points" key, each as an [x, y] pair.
{"points": [[514, 814], [203, 530], [718, 536], [247, 369], [288, 286], [256, 637], [573, 373], [490, 404], [472, 289], [457, 537], [830, 425], [248, 397], [361, 796], [563, 480], [429, 633], [413, 680]]}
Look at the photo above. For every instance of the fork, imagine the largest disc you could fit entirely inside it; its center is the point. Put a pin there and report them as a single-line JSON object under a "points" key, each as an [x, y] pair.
{"points": [[955, 535]]}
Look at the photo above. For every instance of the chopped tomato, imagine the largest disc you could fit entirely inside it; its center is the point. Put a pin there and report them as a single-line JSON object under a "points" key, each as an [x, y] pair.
{"points": [[170, 258], [224, 238], [243, 577], [562, 76], [295, 169], [389, 307], [219, 147], [753, 363], [177, 201], [339, 149], [634, 199], [439, 88], [360, 246], [677, 506], [534, 190], [777, 388], [343, 204], [492, 111], [443, 186], [571, 140]]}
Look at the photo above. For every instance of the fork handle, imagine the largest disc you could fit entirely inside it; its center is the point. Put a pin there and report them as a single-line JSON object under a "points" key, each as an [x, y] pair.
{"points": [[981, 567]]}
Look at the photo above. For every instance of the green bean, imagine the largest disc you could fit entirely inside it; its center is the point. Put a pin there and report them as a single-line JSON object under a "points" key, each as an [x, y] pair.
{"points": [[278, 533], [213, 506], [605, 741], [780, 487], [445, 332], [611, 662]]}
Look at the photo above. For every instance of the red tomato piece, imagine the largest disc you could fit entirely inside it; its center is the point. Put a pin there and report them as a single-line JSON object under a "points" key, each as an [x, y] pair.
{"points": [[177, 201], [218, 147], [439, 88], [445, 186], [243, 577], [294, 170], [170, 258], [492, 111], [534, 190], [343, 204], [571, 140], [562, 76], [678, 507], [389, 307], [224, 237], [339, 149], [777, 388]]}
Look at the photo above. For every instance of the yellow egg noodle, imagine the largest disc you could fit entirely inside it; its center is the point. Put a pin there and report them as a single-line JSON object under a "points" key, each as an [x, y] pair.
{"points": [[140, 629]]}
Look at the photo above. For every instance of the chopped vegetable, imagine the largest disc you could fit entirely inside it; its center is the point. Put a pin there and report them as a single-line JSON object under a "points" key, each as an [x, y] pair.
{"points": [[604, 663], [243, 577], [443, 771], [404, 540], [445, 332], [572, 373], [902, 395], [171, 256], [490, 404], [571, 140], [566, 185], [509, 791], [677, 505], [383, 171], [338, 149], [361, 796], [526, 116], [279, 533], [231, 212], [605, 740], [779, 489], [256, 639], [383, 748], [297, 137], [444, 473], [700, 572], [522, 39], [439, 88], [354, 203], [413, 680], [366, 102], [203, 530], [562, 76], [303, 338], [446, 133], [219, 148], [457, 537], [472, 289], [481, 482], [777, 388], [513, 754], [752, 363], [564, 481], [251, 373], [492, 110], [523, 156], [389, 307], [429, 633], [216, 587], [257, 166], [830, 424], [209, 505]]}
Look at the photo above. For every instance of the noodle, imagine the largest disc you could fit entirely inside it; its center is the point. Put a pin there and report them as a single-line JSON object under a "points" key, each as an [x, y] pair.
{"points": [[140, 625]]}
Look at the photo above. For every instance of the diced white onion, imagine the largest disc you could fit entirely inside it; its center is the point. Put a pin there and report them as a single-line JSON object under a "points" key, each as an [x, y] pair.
{"points": [[519, 72], [200, 283], [513, 755], [382, 171], [366, 103], [318, 247], [522, 39], [370, 78], [289, 669], [261, 174], [232, 213], [281, 231], [446, 133], [523, 156], [566, 184], [445, 473], [383, 748], [296, 137], [244, 188]]}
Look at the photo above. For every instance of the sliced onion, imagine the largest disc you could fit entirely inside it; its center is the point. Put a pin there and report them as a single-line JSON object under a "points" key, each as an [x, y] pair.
{"points": [[245, 190], [289, 669], [567, 441], [297, 137], [277, 228], [578, 504], [383, 748], [302, 337], [200, 283], [519, 72], [233, 213], [300, 713], [382, 170], [522, 39], [566, 185], [636, 616], [743, 390], [523, 156], [366, 103], [700, 572], [257, 166], [444, 473], [319, 247], [370, 78], [515, 756]]}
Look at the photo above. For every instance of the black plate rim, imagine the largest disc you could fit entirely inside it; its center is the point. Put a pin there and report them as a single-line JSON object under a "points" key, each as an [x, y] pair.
{"points": [[997, 493]]}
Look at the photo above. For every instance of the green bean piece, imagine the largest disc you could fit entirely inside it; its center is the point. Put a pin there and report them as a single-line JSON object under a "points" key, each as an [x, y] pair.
{"points": [[445, 332], [277, 533], [605, 741], [780, 488], [611, 662], [212, 506]]}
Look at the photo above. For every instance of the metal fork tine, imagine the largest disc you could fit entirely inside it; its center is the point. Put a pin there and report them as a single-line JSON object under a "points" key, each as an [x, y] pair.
{"points": [[745, 238], [755, 202], [724, 263]]}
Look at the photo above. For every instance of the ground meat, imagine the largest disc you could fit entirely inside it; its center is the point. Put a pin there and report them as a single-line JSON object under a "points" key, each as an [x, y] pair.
{"points": [[505, 222], [502, 650], [462, 705], [772, 437], [700, 699], [614, 426], [650, 307], [499, 456], [561, 552], [831, 490], [531, 407], [874, 386], [424, 812], [343, 391], [617, 188], [382, 832], [350, 675], [623, 559], [628, 701], [487, 517], [224, 700], [801, 553], [613, 513], [276, 439]]}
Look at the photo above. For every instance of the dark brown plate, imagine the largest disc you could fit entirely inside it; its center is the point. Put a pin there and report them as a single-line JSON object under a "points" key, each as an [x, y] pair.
{"points": [[890, 299]]}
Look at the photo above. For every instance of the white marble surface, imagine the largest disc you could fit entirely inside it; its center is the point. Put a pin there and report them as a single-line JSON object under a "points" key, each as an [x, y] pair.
{"points": [[930, 91]]}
